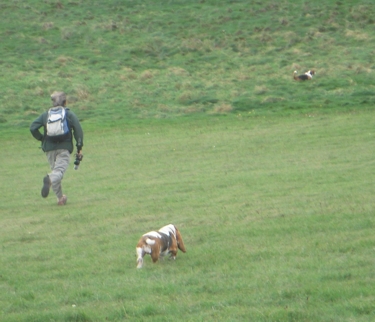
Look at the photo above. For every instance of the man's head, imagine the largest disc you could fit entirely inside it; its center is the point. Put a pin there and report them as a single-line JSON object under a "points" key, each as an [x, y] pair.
{"points": [[58, 98]]}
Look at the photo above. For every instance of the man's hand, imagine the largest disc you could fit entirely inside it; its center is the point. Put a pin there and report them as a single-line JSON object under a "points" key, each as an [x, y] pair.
{"points": [[79, 157]]}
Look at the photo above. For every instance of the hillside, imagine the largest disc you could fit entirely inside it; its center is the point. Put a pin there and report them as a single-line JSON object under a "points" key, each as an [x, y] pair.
{"points": [[191, 116], [156, 59]]}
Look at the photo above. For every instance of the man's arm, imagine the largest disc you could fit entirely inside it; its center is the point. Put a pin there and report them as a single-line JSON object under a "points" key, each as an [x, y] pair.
{"points": [[35, 126], [77, 131]]}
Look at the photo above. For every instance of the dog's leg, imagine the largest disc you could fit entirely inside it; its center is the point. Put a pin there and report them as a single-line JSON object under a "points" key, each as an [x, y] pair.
{"points": [[173, 249], [140, 254], [155, 252]]}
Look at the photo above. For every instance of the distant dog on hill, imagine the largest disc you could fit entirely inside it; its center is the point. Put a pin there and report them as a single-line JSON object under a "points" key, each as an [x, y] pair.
{"points": [[306, 76], [159, 243]]}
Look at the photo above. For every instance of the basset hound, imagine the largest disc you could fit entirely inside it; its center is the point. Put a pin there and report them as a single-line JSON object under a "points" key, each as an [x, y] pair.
{"points": [[159, 243], [306, 76]]}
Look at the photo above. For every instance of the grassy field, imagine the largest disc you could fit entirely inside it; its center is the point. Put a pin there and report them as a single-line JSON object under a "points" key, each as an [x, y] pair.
{"points": [[191, 117], [276, 214]]}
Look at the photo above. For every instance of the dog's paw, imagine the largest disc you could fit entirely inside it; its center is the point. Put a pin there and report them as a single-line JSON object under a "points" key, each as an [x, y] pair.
{"points": [[140, 263]]}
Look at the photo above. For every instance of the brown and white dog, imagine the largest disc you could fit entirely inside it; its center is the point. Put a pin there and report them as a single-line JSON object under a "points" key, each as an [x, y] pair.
{"points": [[306, 76], [160, 243]]}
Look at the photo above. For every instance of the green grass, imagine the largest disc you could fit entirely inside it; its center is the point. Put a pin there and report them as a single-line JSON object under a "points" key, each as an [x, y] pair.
{"points": [[191, 117], [155, 59], [276, 214]]}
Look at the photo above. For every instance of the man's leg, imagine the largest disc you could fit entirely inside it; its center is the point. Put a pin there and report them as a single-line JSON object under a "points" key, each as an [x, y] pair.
{"points": [[59, 162]]}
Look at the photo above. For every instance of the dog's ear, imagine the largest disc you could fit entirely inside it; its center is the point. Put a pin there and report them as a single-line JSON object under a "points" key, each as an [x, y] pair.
{"points": [[180, 242]]}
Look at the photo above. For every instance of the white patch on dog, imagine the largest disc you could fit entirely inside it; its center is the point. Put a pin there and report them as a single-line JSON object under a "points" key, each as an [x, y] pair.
{"points": [[154, 234], [150, 241], [168, 230], [147, 249]]}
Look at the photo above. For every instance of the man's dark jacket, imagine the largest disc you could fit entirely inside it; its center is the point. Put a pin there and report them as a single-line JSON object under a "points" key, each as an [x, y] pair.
{"points": [[47, 144]]}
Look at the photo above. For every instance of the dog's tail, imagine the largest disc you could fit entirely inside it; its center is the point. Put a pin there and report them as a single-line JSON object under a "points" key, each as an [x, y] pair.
{"points": [[295, 75], [180, 242]]}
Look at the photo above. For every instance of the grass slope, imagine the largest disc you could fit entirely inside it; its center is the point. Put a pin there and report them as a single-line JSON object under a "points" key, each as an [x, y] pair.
{"points": [[276, 213], [158, 59]]}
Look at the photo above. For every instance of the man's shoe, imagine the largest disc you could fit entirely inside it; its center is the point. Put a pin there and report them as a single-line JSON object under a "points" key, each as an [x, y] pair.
{"points": [[62, 201], [46, 186]]}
